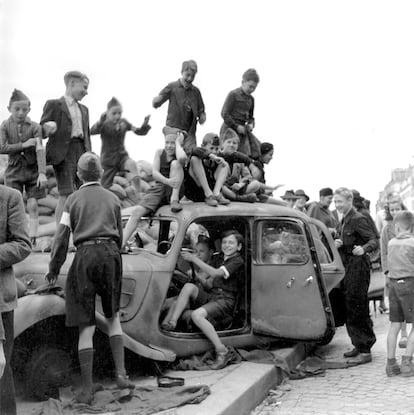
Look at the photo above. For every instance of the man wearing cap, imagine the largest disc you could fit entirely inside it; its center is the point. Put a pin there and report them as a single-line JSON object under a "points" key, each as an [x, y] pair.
{"points": [[320, 210], [303, 198], [185, 105], [93, 215], [69, 138], [290, 198]]}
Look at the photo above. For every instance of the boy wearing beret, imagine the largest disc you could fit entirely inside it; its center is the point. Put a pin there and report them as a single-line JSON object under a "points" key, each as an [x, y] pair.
{"points": [[69, 138], [238, 114], [93, 215], [185, 105], [114, 157], [21, 139]]}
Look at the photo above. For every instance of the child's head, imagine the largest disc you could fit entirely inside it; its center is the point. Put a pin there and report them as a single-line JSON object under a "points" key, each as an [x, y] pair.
{"points": [[204, 249], [231, 242], [188, 71], [395, 207], [19, 106], [211, 142], [169, 145], [249, 81], [404, 221], [89, 167], [230, 141], [76, 84], [266, 152], [114, 110]]}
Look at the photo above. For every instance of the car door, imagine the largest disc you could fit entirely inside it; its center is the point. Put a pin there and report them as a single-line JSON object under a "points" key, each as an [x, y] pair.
{"points": [[288, 295], [331, 264]]}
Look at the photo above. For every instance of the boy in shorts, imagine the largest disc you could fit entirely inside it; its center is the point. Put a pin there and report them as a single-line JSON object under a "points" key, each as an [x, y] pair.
{"points": [[114, 157], [401, 292], [168, 175], [227, 273], [240, 185], [206, 173], [93, 214], [21, 139]]}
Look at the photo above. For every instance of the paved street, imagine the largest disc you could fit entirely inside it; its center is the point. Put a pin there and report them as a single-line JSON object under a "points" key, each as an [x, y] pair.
{"points": [[361, 390]]}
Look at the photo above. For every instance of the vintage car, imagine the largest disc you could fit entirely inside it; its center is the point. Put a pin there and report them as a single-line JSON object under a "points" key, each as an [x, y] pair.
{"points": [[291, 264]]}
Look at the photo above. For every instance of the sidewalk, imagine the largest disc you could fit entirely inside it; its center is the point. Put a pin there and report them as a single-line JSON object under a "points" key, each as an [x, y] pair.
{"points": [[358, 390]]}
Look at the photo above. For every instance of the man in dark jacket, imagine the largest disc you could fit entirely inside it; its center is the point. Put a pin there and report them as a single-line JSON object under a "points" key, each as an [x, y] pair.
{"points": [[14, 247], [356, 239]]}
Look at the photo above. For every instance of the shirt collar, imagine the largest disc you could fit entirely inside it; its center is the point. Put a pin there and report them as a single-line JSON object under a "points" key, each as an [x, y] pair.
{"points": [[231, 256], [70, 100], [89, 184], [185, 87], [27, 120]]}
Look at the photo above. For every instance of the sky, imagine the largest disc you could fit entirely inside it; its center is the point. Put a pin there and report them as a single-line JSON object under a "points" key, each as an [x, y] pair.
{"points": [[336, 91]]}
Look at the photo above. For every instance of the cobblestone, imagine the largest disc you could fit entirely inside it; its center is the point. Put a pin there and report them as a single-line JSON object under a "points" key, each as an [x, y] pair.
{"points": [[360, 390]]}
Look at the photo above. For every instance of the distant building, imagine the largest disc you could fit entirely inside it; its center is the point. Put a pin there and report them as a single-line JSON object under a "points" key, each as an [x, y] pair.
{"points": [[402, 182]]}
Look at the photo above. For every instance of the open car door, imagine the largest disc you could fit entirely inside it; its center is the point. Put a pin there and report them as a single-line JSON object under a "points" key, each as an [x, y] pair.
{"points": [[288, 295], [331, 264]]}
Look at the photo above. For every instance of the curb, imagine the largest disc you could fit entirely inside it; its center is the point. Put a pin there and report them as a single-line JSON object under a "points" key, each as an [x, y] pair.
{"points": [[241, 390]]}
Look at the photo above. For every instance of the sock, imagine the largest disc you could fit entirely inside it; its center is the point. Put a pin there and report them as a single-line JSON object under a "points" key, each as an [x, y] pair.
{"points": [[392, 361], [86, 365], [118, 354]]}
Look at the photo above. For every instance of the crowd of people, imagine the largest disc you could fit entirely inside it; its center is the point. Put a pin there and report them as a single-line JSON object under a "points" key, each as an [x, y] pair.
{"points": [[229, 166]]}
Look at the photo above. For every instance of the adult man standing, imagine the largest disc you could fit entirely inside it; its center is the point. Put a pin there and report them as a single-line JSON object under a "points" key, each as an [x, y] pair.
{"points": [[14, 247], [355, 240], [320, 210], [69, 137], [185, 106]]}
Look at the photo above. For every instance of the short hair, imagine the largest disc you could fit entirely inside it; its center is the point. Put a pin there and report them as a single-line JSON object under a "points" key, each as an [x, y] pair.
{"points": [[211, 138], [405, 219], [205, 240], [237, 235], [344, 192], [251, 75], [74, 75], [230, 134], [326, 191], [89, 167], [190, 64]]}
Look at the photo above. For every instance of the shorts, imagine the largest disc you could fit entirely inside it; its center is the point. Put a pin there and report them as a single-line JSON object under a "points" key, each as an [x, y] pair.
{"points": [[219, 307], [24, 178], [203, 297], [401, 298], [191, 189], [109, 172], [95, 270], [65, 172], [157, 195]]}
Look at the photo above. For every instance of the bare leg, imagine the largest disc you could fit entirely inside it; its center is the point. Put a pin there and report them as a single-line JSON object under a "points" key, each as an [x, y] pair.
{"points": [[253, 187], [176, 170], [220, 175], [132, 223], [229, 193], [33, 211], [199, 318], [132, 174], [198, 173], [392, 339], [187, 292]]}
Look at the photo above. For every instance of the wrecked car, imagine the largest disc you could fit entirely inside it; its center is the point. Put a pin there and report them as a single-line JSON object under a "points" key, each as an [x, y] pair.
{"points": [[291, 265]]}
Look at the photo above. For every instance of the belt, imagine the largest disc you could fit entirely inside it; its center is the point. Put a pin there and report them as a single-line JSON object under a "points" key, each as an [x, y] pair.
{"points": [[96, 241], [77, 138]]}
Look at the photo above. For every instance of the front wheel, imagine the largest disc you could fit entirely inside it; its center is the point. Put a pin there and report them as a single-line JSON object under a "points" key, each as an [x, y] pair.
{"points": [[48, 369]]}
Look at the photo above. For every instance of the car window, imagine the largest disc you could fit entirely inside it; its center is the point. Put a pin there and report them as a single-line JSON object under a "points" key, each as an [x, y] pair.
{"points": [[323, 250], [154, 235], [282, 242]]}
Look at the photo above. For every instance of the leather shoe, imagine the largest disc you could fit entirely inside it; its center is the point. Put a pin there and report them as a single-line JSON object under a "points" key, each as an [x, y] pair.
{"points": [[222, 360], [352, 353], [361, 359]]}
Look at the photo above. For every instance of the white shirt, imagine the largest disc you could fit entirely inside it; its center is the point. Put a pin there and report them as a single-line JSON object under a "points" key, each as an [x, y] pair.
{"points": [[75, 115]]}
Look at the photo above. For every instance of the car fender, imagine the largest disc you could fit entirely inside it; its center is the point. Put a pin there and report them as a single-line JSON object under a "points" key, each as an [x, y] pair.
{"points": [[34, 308]]}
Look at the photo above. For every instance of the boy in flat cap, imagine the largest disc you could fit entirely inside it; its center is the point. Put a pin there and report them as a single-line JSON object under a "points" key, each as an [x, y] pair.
{"points": [[93, 215], [185, 105], [238, 114], [114, 157], [21, 139], [69, 138]]}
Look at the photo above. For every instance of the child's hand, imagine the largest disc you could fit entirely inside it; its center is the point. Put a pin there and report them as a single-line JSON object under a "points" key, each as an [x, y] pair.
{"points": [[41, 181], [277, 186], [237, 186], [358, 250], [31, 142], [187, 256], [216, 159], [174, 182], [49, 128], [180, 138]]}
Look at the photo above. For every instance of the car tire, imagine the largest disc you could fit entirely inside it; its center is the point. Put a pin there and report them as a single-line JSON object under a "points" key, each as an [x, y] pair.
{"points": [[49, 368]]}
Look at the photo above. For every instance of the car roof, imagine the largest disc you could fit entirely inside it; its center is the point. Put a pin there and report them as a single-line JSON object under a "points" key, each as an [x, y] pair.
{"points": [[193, 211]]}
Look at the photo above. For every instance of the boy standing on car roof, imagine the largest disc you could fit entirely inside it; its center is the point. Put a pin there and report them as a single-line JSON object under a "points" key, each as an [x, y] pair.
{"points": [[93, 214]]}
